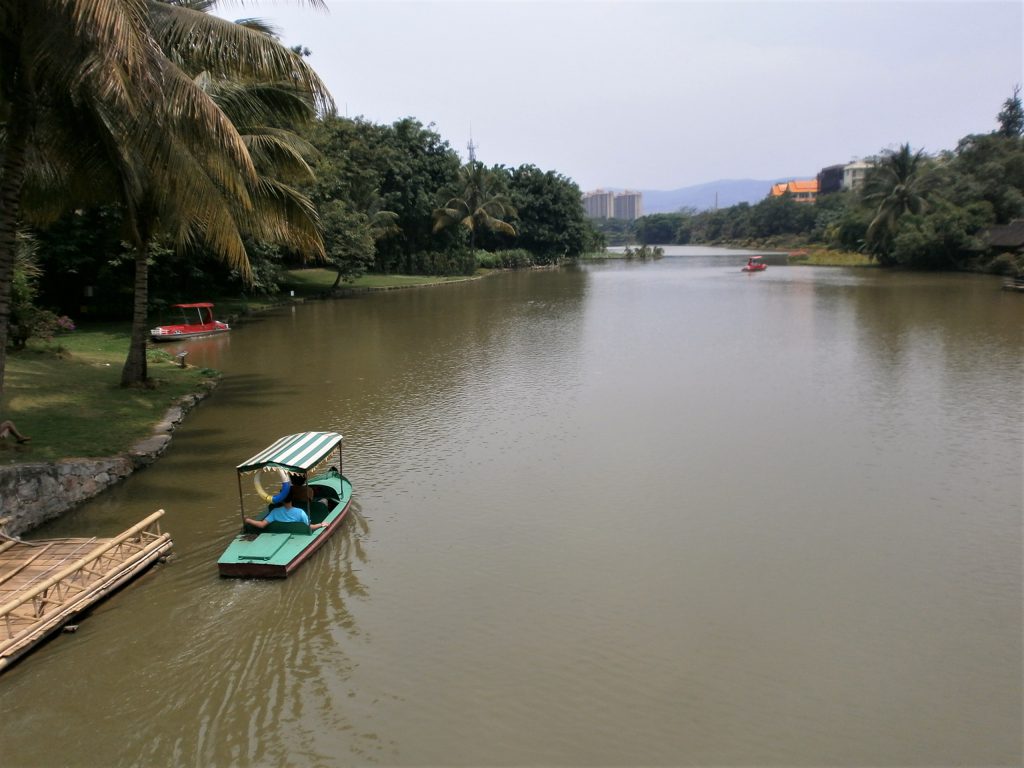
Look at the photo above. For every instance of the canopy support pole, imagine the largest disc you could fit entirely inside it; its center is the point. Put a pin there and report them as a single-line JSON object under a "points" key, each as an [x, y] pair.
{"points": [[241, 503]]}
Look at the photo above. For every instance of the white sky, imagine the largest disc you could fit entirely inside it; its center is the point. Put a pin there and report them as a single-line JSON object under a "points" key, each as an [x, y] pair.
{"points": [[660, 95]]}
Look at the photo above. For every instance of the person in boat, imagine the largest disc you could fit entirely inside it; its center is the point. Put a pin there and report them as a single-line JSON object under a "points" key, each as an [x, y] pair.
{"points": [[750, 262], [7, 428], [300, 492], [285, 513]]}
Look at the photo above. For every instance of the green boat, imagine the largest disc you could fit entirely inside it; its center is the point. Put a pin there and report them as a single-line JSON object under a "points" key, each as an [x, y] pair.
{"points": [[274, 551]]}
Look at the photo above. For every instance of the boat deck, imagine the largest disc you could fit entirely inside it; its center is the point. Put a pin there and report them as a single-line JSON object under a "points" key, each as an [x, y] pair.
{"points": [[275, 555], [44, 584]]}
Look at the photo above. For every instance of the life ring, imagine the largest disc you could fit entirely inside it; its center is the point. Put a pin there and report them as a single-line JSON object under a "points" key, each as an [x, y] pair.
{"points": [[273, 498]]}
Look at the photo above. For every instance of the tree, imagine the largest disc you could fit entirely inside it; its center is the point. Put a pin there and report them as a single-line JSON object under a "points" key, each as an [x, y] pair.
{"points": [[943, 238], [390, 173], [899, 183], [550, 217], [1011, 117], [478, 204], [348, 239], [246, 80], [657, 228], [77, 78], [780, 215], [94, 109], [987, 167]]}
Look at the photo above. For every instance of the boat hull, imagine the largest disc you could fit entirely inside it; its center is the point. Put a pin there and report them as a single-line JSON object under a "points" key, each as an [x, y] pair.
{"points": [[756, 268], [181, 333], [276, 555]]}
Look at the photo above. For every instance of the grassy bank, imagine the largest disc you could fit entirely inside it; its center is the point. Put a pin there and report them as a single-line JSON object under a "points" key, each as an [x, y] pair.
{"points": [[66, 395], [815, 257], [822, 257], [313, 282]]}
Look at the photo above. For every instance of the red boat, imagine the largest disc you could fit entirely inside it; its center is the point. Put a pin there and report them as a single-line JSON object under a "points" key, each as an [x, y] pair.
{"points": [[754, 264], [196, 320]]}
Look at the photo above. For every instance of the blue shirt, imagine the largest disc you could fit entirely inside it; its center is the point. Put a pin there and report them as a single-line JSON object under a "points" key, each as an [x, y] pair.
{"points": [[285, 515]]}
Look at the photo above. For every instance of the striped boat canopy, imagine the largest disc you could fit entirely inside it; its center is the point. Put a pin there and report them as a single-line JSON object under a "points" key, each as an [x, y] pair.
{"points": [[294, 453]]}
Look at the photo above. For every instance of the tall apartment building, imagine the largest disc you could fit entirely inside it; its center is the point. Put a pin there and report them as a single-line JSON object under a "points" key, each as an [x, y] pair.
{"points": [[628, 205], [601, 204]]}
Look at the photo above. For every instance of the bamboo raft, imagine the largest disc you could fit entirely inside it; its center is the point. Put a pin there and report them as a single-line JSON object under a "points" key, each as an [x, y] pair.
{"points": [[44, 584]]}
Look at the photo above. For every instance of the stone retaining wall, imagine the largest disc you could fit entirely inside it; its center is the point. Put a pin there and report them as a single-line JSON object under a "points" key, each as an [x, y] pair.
{"points": [[31, 494]]}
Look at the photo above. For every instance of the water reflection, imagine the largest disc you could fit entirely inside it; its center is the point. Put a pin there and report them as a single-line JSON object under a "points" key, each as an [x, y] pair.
{"points": [[263, 693], [203, 352]]}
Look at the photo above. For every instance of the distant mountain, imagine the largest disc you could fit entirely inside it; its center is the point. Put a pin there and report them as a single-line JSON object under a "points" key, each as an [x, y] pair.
{"points": [[702, 196]]}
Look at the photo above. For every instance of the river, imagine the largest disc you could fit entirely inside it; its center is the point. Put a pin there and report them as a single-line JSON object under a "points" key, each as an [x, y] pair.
{"points": [[659, 513]]}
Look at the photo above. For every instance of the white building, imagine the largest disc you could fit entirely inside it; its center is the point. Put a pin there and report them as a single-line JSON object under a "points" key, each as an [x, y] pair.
{"points": [[854, 173]]}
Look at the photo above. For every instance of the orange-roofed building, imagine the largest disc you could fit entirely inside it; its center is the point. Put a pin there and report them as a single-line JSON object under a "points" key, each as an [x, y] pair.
{"points": [[803, 191]]}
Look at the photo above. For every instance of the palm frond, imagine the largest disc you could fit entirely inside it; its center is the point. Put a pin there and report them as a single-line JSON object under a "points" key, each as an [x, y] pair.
{"points": [[279, 152], [283, 215], [202, 41]]}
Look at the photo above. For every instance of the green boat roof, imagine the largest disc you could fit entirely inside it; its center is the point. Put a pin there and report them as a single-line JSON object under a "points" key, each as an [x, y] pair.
{"points": [[294, 453]]}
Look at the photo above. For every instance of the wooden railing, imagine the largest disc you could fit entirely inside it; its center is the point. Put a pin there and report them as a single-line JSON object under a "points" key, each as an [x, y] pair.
{"points": [[85, 580]]}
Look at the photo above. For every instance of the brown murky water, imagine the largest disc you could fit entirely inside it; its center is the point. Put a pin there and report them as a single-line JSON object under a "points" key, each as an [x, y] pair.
{"points": [[631, 514]]}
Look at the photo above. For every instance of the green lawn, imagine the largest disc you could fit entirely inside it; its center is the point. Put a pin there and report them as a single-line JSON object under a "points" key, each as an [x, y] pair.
{"points": [[822, 257], [66, 396]]}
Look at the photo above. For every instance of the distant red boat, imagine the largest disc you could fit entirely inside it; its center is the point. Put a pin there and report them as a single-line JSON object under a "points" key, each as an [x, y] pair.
{"points": [[196, 320], [754, 264]]}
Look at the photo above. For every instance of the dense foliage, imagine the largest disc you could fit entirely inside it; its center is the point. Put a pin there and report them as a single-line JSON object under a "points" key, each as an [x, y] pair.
{"points": [[375, 189]]}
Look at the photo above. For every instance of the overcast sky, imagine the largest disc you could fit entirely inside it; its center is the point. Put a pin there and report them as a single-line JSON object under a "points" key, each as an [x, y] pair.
{"points": [[661, 95]]}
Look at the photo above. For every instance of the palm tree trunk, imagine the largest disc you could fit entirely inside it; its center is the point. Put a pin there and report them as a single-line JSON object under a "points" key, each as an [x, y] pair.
{"points": [[11, 178], [134, 371]]}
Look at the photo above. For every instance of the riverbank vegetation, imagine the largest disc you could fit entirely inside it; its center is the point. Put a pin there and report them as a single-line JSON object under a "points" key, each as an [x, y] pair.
{"points": [[914, 210], [65, 394], [827, 257]]}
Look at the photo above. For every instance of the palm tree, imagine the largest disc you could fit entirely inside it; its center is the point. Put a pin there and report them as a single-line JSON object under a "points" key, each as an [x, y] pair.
{"points": [[243, 72], [280, 213], [85, 94], [72, 73], [95, 103], [477, 204], [898, 184]]}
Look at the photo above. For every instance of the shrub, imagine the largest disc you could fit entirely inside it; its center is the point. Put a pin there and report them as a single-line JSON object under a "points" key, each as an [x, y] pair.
{"points": [[644, 252], [445, 263], [31, 322], [514, 258], [1004, 264]]}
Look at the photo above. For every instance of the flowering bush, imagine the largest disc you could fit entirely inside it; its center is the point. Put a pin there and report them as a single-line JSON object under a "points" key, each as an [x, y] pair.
{"points": [[40, 323]]}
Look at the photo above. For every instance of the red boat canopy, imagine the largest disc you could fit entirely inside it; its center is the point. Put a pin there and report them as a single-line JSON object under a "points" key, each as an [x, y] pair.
{"points": [[200, 305]]}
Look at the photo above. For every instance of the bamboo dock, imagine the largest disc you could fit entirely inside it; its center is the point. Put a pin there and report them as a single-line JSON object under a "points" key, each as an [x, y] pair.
{"points": [[45, 584]]}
